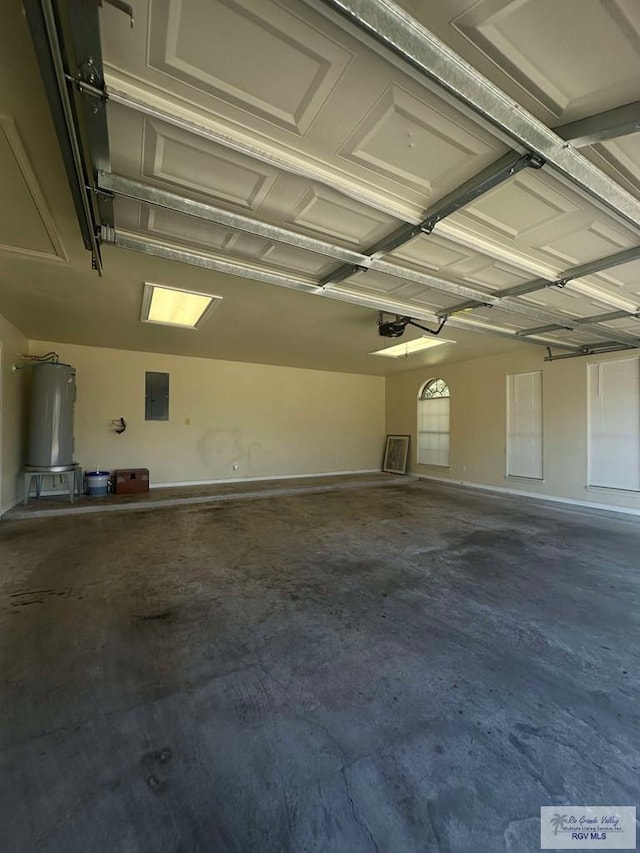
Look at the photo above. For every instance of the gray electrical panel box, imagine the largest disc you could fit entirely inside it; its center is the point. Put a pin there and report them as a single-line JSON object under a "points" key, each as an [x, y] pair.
{"points": [[156, 399]]}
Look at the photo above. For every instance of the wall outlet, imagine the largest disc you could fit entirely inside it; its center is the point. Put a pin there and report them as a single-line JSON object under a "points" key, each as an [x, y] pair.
{"points": [[235, 466], [463, 468]]}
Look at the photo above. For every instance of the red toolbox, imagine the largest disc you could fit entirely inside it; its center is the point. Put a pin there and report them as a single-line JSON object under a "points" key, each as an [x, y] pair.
{"points": [[131, 481]]}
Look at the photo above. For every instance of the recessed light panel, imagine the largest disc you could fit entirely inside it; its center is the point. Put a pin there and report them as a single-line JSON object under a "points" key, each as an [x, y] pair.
{"points": [[410, 347], [170, 306]]}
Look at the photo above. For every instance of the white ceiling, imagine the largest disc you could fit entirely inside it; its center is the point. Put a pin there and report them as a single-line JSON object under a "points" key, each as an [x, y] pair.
{"points": [[284, 113]]}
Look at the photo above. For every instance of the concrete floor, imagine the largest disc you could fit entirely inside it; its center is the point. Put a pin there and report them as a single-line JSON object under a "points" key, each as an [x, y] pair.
{"points": [[409, 669]]}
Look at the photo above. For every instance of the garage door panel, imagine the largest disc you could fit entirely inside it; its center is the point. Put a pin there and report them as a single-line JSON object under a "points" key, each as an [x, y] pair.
{"points": [[422, 142], [568, 77], [575, 337], [385, 285], [568, 301], [623, 155], [178, 229], [188, 162], [625, 277], [630, 326], [308, 79], [537, 216], [495, 276], [438, 254], [198, 168], [204, 44], [324, 213]]}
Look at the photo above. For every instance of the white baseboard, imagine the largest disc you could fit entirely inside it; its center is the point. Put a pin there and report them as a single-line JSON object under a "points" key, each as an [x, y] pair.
{"points": [[536, 495], [265, 477]]}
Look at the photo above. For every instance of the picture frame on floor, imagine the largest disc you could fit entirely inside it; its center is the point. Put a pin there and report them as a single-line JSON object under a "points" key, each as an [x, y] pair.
{"points": [[396, 454]]}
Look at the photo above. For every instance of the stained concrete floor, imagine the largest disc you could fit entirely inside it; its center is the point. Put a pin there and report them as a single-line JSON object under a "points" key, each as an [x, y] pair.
{"points": [[409, 669]]}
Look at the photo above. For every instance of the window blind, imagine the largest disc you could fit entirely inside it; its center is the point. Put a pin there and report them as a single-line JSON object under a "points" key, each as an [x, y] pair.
{"points": [[614, 424], [433, 431], [524, 425]]}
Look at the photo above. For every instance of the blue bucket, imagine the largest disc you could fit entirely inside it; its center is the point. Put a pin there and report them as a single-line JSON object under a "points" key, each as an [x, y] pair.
{"points": [[97, 483]]}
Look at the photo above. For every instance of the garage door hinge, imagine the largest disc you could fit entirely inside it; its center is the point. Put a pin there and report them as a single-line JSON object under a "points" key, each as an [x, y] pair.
{"points": [[534, 161], [87, 88]]}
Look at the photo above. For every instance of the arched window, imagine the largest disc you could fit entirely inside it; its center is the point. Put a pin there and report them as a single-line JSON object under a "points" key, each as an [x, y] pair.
{"points": [[433, 423]]}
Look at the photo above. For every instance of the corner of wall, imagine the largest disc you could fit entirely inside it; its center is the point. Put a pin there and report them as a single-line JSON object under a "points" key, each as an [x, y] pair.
{"points": [[13, 415]]}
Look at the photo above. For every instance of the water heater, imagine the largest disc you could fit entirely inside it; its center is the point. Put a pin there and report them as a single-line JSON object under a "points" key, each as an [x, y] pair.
{"points": [[53, 394]]}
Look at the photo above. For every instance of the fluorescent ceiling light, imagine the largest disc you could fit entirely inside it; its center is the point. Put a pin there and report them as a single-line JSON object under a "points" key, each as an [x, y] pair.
{"points": [[170, 306], [410, 347]]}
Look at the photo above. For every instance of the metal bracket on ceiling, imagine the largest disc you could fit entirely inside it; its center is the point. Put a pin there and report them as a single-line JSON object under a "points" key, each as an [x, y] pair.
{"points": [[485, 181], [602, 127], [534, 161], [608, 317], [541, 330], [346, 271], [437, 331], [469, 305], [589, 349]]}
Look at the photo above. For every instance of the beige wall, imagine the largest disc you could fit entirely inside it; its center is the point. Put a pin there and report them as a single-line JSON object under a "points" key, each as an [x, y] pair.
{"points": [[478, 424], [270, 421], [12, 420], [279, 421]]}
